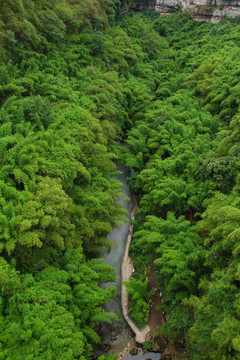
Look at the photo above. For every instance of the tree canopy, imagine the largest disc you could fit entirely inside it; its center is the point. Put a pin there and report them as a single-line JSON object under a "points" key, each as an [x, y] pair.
{"points": [[77, 77]]}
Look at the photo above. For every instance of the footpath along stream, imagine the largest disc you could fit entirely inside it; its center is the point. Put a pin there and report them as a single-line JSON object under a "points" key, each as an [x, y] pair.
{"points": [[119, 335]]}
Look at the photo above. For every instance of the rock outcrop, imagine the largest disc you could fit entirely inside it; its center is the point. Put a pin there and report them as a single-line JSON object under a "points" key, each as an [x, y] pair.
{"points": [[202, 10]]}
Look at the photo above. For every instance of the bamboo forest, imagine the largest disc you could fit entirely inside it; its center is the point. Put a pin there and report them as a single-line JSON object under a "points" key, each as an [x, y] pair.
{"points": [[78, 78]]}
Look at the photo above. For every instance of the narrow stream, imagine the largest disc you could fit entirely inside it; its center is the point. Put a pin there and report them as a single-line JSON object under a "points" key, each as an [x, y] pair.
{"points": [[119, 334]]}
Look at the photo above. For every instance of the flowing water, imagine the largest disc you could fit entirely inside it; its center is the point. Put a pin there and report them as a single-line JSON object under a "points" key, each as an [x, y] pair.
{"points": [[119, 334]]}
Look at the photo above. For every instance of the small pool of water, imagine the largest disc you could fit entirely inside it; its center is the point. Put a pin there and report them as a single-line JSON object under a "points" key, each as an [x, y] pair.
{"points": [[143, 356]]}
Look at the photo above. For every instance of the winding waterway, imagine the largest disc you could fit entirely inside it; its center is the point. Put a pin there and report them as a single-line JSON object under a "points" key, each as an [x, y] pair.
{"points": [[119, 334]]}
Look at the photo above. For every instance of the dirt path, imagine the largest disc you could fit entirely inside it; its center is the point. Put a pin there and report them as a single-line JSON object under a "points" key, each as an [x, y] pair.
{"points": [[157, 315], [157, 318]]}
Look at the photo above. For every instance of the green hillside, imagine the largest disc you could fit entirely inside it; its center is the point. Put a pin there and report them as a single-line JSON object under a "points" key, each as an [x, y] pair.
{"points": [[76, 77]]}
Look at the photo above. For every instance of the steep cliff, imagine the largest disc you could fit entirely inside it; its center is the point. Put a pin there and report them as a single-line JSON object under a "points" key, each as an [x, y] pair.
{"points": [[202, 10]]}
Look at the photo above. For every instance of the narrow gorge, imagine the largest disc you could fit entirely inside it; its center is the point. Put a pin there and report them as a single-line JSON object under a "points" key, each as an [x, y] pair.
{"points": [[77, 77]]}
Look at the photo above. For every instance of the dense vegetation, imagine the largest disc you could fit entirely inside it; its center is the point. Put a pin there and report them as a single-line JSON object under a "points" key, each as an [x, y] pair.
{"points": [[184, 153], [139, 300], [60, 111], [75, 76]]}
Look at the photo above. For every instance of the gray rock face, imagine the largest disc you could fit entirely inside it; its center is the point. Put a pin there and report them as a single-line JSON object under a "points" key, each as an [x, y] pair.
{"points": [[203, 10]]}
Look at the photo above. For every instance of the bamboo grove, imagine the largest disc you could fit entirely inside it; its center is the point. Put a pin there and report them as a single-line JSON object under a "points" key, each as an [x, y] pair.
{"points": [[75, 78]]}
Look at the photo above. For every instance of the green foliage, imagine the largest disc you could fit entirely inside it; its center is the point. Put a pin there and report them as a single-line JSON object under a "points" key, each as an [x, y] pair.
{"points": [[139, 300], [180, 256], [72, 84], [47, 316], [53, 28], [179, 320], [60, 110], [108, 357], [184, 155]]}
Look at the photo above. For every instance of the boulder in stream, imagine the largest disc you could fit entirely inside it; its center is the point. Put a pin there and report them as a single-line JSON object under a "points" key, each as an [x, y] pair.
{"points": [[133, 351]]}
